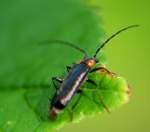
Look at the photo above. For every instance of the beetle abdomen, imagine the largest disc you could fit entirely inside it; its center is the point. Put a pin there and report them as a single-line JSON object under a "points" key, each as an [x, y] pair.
{"points": [[56, 109]]}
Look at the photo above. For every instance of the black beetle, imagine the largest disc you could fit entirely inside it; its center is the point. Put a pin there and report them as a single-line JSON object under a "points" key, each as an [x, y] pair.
{"points": [[77, 75]]}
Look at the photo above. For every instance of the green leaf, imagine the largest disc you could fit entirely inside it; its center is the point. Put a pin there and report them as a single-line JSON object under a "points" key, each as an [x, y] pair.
{"points": [[26, 67], [23, 108]]}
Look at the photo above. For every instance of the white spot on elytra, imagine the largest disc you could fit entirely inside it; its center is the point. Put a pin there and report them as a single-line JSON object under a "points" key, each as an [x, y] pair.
{"points": [[68, 97]]}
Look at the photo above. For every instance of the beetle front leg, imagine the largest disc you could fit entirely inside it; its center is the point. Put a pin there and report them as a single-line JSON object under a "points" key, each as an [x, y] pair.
{"points": [[103, 69]]}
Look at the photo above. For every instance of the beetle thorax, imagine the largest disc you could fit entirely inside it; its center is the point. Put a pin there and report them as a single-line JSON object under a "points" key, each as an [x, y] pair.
{"points": [[90, 62]]}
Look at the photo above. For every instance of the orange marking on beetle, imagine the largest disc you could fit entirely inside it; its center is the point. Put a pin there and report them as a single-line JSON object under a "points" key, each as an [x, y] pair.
{"points": [[90, 63]]}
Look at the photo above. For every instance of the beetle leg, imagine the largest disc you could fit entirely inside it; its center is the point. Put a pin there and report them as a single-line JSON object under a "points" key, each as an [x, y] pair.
{"points": [[91, 82], [68, 68], [59, 80], [103, 69]]}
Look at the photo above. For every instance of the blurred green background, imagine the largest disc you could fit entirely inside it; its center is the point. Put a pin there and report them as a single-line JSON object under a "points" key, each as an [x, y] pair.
{"points": [[25, 65], [128, 55]]}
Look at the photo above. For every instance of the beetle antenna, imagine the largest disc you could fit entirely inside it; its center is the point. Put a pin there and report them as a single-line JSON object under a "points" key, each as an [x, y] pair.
{"points": [[65, 43], [114, 35]]}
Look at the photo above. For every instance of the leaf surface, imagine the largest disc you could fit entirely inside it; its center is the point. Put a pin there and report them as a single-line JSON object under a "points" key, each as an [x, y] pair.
{"points": [[26, 67]]}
